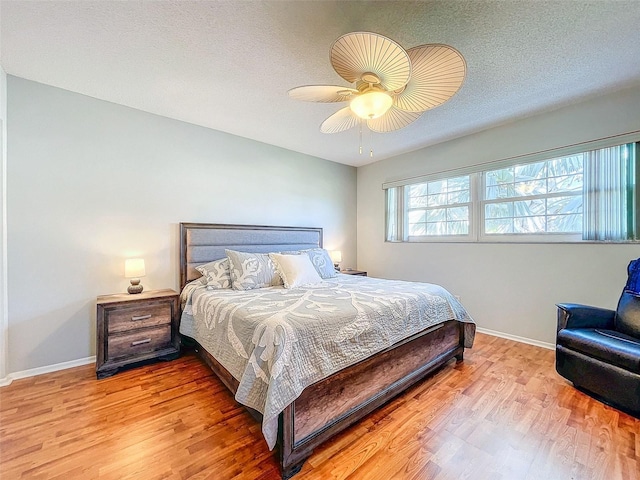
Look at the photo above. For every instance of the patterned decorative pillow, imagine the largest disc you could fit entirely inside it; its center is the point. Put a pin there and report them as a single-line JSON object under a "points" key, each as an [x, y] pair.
{"points": [[321, 259], [296, 270], [216, 274], [252, 270]]}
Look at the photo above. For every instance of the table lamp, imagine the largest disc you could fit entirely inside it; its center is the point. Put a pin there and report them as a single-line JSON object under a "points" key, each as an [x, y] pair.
{"points": [[133, 269], [336, 257]]}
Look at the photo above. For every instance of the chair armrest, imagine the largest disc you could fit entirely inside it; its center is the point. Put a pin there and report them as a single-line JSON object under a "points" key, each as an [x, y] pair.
{"points": [[573, 315]]}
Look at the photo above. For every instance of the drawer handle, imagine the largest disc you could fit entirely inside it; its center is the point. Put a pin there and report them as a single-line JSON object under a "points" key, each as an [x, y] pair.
{"points": [[140, 342], [140, 317]]}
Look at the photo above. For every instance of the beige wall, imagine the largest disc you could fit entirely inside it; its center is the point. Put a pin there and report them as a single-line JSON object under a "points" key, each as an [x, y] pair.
{"points": [[507, 288], [90, 183]]}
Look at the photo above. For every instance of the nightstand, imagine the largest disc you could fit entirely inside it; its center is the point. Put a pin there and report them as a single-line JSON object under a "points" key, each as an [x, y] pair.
{"points": [[354, 272], [132, 329]]}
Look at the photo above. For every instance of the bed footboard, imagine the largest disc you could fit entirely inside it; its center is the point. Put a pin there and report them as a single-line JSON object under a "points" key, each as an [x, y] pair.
{"points": [[336, 402]]}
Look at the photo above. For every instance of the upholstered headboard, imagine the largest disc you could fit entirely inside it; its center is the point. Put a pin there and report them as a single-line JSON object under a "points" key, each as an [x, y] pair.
{"points": [[205, 242]]}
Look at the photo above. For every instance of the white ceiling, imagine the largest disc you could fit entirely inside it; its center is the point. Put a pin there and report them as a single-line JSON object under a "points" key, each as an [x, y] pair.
{"points": [[227, 65]]}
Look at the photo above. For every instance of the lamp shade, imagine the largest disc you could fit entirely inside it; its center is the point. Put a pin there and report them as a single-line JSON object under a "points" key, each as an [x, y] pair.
{"points": [[134, 267], [336, 256], [371, 104]]}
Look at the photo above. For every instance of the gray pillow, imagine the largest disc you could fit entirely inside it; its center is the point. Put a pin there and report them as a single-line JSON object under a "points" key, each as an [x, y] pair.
{"points": [[216, 274], [322, 262], [252, 270]]}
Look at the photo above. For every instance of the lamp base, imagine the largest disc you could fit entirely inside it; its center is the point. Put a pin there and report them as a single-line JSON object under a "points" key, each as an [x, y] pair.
{"points": [[135, 286]]}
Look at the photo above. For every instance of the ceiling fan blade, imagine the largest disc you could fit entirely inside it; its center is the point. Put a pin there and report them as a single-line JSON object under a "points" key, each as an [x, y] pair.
{"points": [[394, 119], [340, 121], [322, 93], [437, 73], [355, 54]]}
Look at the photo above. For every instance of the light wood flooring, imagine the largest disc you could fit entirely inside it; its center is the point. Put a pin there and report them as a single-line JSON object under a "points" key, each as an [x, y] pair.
{"points": [[503, 413]]}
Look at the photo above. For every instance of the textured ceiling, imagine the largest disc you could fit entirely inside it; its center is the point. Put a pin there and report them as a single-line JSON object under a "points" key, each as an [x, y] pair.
{"points": [[227, 65]]}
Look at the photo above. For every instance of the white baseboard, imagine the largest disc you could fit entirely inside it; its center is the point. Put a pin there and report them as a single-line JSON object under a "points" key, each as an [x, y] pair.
{"points": [[46, 369], [85, 361], [516, 338]]}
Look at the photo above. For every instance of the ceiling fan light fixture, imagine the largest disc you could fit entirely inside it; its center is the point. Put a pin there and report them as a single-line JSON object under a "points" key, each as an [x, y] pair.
{"points": [[371, 104], [392, 86]]}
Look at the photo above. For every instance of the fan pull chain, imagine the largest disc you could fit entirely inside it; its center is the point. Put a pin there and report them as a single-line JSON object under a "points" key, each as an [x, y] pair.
{"points": [[360, 139]]}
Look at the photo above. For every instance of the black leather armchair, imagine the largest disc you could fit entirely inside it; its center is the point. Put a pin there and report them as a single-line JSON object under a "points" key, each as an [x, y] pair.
{"points": [[599, 349]]}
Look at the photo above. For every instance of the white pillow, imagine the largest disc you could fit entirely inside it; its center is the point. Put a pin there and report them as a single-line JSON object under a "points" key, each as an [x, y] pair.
{"points": [[295, 270]]}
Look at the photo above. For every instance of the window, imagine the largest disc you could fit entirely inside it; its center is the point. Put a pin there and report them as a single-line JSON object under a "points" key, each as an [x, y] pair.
{"points": [[536, 198], [440, 207], [587, 195]]}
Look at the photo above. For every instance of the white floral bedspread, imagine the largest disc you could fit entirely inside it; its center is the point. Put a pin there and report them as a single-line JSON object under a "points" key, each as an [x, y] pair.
{"points": [[276, 342]]}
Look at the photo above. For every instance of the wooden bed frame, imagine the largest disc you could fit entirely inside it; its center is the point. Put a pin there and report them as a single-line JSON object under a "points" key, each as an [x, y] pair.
{"points": [[331, 405]]}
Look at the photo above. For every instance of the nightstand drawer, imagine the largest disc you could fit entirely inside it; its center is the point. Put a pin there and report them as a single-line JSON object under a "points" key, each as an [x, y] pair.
{"points": [[138, 342], [124, 319]]}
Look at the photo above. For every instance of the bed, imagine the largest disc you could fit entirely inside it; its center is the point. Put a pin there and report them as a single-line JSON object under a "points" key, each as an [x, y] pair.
{"points": [[309, 362]]}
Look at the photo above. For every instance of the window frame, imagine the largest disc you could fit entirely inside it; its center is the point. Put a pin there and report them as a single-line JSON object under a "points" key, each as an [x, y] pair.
{"points": [[477, 201]]}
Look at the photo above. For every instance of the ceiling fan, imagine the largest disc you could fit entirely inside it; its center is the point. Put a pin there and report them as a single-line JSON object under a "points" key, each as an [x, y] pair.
{"points": [[393, 86]]}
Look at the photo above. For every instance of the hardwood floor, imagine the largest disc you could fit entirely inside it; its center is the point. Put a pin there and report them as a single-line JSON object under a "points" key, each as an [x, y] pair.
{"points": [[503, 413]]}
